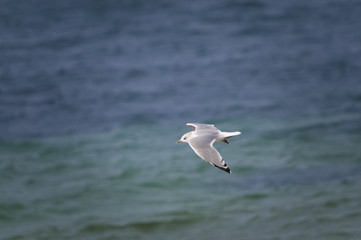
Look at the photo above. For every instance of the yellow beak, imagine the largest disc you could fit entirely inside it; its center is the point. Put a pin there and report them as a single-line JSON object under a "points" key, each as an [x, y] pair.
{"points": [[178, 141]]}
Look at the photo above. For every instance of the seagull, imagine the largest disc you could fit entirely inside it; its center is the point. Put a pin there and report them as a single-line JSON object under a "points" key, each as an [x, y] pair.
{"points": [[201, 140]]}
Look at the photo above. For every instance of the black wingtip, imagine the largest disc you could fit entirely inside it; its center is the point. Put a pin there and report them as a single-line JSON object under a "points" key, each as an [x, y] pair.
{"points": [[227, 169]]}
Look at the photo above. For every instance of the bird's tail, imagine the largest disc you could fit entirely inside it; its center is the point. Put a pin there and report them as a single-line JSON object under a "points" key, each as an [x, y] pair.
{"points": [[230, 134], [226, 135]]}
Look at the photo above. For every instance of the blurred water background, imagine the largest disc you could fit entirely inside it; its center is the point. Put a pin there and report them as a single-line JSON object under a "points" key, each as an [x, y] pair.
{"points": [[94, 94]]}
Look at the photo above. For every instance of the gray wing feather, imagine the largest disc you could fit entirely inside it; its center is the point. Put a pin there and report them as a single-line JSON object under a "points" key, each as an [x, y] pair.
{"points": [[202, 126], [203, 146]]}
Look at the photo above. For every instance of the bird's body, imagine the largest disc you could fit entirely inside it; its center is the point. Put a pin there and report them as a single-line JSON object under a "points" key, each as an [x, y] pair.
{"points": [[201, 140]]}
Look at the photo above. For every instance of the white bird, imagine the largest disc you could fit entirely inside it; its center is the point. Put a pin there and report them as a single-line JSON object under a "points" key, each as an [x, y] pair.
{"points": [[201, 141]]}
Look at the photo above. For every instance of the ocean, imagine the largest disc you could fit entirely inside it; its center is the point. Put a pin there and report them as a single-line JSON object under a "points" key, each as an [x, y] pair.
{"points": [[94, 95]]}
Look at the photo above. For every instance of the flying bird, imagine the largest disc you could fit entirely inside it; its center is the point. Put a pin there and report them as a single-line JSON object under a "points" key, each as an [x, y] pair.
{"points": [[201, 140]]}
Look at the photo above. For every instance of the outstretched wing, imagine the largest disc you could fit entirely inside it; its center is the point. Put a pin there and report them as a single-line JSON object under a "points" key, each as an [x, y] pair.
{"points": [[202, 126], [203, 146]]}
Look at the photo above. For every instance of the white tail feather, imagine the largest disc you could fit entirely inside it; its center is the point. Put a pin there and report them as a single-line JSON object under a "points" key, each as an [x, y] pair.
{"points": [[230, 134]]}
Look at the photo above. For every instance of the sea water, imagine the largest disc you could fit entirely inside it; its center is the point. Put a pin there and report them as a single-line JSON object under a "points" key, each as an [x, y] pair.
{"points": [[94, 95]]}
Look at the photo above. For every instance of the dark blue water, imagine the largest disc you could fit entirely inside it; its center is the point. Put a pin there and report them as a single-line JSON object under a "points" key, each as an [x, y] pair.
{"points": [[94, 94]]}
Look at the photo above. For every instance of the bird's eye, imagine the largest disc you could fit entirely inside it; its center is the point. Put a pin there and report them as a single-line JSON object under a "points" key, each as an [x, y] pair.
{"points": [[184, 138]]}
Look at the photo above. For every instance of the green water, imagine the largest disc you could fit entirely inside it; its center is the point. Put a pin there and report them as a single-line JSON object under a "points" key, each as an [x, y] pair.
{"points": [[291, 179]]}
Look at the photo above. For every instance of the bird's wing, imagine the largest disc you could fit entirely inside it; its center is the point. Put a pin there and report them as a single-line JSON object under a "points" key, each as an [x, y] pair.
{"points": [[203, 146], [202, 126]]}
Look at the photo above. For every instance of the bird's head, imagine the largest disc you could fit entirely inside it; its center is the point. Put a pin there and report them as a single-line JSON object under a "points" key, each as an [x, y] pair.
{"points": [[185, 138]]}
